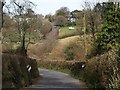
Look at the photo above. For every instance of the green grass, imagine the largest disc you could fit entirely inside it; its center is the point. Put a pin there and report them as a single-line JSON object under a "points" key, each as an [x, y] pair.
{"points": [[10, 38], [65, 70], [14, 36], [65, 32]]}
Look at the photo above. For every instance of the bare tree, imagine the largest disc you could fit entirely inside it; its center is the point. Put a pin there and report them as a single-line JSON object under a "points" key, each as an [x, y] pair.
{"points": [[1, 13], [90, 16], [45, 28], [22, 12]]}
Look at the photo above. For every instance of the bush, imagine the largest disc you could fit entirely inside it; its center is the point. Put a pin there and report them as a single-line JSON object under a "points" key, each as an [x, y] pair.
{"points": [[69, 53], [77, 70], [15, 73], [93, 52], [103, 71], [76, 67]]}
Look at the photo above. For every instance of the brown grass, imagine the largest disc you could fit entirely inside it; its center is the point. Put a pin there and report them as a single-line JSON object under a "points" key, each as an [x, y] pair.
{"points": [[51, 50]]}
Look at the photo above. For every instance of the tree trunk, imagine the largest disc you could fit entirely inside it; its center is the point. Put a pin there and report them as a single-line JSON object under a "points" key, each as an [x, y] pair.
{"points": [[1, 25], [92, 27], [23, 49], [1, 15]]}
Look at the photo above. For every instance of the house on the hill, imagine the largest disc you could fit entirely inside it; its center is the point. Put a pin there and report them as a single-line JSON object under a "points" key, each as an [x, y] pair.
{"points": [[75, 15]]}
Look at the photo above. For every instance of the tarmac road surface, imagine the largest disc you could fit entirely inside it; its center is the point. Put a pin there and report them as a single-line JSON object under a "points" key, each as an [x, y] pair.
{"points": [[53, 80]]}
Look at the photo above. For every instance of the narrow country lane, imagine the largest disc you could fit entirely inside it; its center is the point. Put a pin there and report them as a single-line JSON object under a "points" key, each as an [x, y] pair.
{"points": [[53, 80]]}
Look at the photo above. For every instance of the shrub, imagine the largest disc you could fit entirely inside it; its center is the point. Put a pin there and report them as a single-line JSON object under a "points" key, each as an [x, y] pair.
{"points": [[14, 71], [77, 70], [103, 71], [69, 53], [93, 52]]}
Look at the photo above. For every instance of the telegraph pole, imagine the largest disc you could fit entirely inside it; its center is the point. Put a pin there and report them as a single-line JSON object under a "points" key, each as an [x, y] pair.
{"points": [[85, 41]]}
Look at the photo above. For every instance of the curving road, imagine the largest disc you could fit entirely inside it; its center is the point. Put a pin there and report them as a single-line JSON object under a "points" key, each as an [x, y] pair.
{"points": [[53, 80]]}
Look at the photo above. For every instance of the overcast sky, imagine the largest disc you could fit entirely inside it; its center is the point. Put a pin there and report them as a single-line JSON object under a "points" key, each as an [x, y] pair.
{"points": [[50, 6]]}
